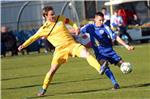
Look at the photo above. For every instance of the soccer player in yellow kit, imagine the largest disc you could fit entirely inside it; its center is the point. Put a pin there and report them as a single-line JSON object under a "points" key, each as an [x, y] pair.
{"points": [[64, 43]]}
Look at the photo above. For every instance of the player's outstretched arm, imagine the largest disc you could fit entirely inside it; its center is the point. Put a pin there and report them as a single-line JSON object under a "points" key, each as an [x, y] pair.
{"points": [[29, 41], [119, 40]]}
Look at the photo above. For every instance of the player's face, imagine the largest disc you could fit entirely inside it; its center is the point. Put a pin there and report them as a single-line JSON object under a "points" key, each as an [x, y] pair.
{"points": [[99, 20], [51, 16]]}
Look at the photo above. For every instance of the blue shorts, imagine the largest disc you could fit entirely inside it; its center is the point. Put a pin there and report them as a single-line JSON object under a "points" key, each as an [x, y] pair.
{"points": [[108, 54]]}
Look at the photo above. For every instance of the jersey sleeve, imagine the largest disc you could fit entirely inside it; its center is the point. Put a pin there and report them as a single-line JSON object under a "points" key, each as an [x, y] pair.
{"points": [[32, 39], [110, 33], [85, 28]]}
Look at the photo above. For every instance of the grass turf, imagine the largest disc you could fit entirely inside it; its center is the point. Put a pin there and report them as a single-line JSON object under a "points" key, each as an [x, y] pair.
{"points": [[22, 76]]}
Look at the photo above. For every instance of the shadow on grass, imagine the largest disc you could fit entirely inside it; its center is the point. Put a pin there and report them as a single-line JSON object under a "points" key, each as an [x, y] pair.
{"points": [[19, 67], [63, 82], [22, 77], [91, 91], [137, 85]]}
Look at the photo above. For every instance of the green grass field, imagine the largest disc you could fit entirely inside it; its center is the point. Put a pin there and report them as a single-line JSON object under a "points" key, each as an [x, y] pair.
{"points": [[23, 75]]}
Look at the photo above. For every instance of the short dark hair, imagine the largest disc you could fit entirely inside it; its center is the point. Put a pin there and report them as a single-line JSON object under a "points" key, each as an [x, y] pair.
{"points": [[46, 9], [99, 14]]}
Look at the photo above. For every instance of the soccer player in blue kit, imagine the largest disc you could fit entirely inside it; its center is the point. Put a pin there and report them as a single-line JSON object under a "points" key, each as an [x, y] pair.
{"points": [[102, 38]]}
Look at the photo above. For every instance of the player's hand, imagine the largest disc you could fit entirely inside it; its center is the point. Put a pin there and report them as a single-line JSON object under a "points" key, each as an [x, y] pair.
{"points": [[130, 47], [20, 47]]}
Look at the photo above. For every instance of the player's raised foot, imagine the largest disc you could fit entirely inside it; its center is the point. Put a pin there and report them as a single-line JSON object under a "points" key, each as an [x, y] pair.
{"points": [[41, 92], [116, 86], [103, 68]]}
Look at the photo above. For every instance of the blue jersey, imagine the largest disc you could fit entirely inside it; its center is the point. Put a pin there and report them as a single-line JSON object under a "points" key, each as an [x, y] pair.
{"points": [[101, 39]]}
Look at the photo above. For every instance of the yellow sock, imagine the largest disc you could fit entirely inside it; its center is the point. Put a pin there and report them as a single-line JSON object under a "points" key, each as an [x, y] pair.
{"points": [[93, 62], [46, 82]]}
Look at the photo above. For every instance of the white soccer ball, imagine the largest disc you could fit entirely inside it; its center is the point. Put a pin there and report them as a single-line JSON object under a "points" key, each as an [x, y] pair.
{"points": [[126, 67]]}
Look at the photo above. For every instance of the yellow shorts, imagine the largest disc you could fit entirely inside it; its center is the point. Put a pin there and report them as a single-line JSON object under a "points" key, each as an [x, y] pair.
{"points": [[63, 52]]}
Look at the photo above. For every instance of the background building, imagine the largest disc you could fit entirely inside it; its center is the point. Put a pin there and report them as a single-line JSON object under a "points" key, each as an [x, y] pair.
{"points": [[31, 15]]}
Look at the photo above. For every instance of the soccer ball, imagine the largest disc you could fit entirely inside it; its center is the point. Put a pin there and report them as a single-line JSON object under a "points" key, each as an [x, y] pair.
{"points": [[84, 39], [126, 67]]}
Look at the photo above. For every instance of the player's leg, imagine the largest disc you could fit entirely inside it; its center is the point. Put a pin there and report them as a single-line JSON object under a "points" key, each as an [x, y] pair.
{"points": [[117, 60], [109, 74], [48, 79], [60, 57], [81, 51], [119, 63], [90, 59], [104, 66]]}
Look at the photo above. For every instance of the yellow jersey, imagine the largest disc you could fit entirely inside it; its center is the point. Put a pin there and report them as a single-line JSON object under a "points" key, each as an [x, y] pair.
{"points": [[59, 35]]}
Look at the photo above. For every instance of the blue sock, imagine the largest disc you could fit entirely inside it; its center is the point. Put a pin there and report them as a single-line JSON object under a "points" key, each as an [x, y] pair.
{"points": [[110, 75]]}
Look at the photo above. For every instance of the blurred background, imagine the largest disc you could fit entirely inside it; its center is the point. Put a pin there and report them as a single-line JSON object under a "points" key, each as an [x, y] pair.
{"points": [[23, 18]]}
